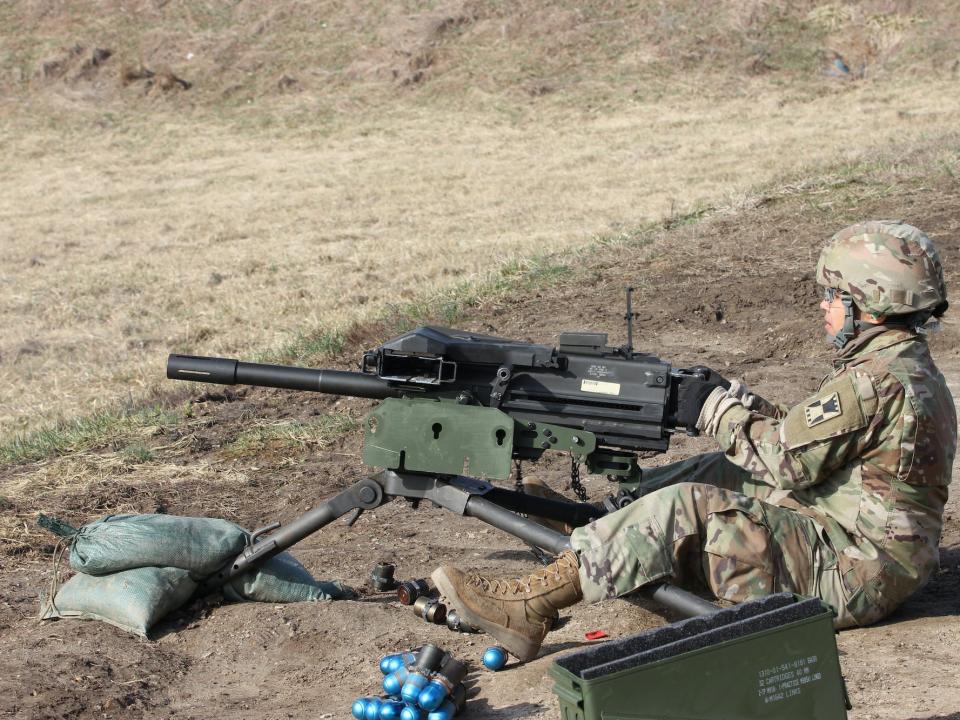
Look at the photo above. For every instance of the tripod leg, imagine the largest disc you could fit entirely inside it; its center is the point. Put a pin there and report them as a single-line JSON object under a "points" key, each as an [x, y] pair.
{"points": [[363, 495]]}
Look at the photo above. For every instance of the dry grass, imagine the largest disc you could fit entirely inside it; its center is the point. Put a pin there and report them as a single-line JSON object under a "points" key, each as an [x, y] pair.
{"points": [[363, 53], [290, 434], [308, 178], [155, 237], [143, 468], [93, 484]]}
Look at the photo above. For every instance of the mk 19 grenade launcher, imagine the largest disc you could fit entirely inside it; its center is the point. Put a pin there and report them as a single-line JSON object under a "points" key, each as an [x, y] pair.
{"points": [[458, 408], [462, 403]]}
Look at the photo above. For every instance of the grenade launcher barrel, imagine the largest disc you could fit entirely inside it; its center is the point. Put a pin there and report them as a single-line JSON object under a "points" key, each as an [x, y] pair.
{"points": [[226, 371]]}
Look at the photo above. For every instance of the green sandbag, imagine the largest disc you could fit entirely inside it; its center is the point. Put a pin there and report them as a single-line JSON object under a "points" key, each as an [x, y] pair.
{"points": [[136, 599], [199, 545], [133, 600], [135, 569], [121, 542], [283, 579]]}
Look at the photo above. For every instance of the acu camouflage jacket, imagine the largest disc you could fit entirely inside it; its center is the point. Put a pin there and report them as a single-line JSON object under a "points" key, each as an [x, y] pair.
{"points": [[868, 457]]}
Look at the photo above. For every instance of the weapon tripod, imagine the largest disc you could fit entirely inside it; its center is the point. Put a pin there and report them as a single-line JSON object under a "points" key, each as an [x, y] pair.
{"points": [[463, 495]]}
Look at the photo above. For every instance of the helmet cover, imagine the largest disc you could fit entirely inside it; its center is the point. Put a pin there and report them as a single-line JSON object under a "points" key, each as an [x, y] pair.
{"points": [[887, 267]]}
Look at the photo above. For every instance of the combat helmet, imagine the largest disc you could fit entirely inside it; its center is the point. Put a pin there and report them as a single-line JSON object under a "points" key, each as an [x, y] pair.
{"points": [[884, 267]]}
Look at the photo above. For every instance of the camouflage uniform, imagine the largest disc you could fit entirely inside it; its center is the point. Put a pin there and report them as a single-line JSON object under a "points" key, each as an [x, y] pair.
{"points": [[840, 497]]}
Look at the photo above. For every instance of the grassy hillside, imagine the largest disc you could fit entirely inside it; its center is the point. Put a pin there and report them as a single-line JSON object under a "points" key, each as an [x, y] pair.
{"points": [[299, 180], [232, 177], [349, 54]]}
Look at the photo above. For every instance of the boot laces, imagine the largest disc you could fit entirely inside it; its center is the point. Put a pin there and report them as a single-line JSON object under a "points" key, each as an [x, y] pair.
{"points": [[502, 586]]}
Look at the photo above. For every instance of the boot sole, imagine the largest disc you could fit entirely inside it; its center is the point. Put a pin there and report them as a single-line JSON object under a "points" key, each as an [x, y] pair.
{"points": [[515, 643]]}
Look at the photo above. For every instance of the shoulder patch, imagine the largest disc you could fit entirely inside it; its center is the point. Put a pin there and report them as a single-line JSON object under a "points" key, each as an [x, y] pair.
{"points": [[822, 409], [835, 410]]}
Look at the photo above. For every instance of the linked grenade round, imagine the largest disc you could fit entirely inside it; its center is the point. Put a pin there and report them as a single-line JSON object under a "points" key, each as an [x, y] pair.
{"points": [[450, 675], [459, 697], [412, 688], [393, 683], [372, 711], [444, 712], [432, 696], [494, 658], [411, 712], [429, 660], [392, 663], [359, 708], [391, 710]]}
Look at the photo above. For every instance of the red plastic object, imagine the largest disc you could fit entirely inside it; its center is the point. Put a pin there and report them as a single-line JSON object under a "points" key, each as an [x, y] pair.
{"points": [[595, 635]]}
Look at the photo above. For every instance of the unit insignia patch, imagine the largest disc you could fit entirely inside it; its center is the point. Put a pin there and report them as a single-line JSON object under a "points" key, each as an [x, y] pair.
{"points": [[823, 409]]}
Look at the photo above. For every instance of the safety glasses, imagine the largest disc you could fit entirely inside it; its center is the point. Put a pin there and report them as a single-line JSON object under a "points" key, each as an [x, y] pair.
{"points": [[830, 293]]}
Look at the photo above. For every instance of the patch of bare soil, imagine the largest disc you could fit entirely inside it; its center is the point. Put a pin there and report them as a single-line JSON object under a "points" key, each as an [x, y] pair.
{"points": [[732, 291]]}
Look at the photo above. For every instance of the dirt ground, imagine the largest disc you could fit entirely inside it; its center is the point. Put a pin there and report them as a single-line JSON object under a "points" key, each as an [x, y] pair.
{"points": [[733, 291]]}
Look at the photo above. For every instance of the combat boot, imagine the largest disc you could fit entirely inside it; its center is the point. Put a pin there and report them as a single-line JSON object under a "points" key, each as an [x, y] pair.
{"points": [[517, 612]]}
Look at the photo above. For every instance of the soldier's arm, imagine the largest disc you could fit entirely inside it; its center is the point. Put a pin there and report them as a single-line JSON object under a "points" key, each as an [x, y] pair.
{"points": [[769, 409], [812, 439], [764, 407], [753, 402]]}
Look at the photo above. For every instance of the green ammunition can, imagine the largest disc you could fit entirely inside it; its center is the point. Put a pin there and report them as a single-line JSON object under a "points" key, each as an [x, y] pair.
{"points": [[771, 658]]}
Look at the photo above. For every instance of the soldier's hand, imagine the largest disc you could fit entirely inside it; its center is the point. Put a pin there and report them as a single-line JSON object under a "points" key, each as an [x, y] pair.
{"points": [[693, 393], [711, 376]]}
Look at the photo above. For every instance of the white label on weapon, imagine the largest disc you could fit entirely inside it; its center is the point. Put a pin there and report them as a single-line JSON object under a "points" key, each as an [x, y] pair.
{"points": [[598, 371], [596, 386]]}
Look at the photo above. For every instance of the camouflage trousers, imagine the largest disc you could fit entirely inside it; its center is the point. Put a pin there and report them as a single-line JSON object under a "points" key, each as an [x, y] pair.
{"points": [[706, 525]]}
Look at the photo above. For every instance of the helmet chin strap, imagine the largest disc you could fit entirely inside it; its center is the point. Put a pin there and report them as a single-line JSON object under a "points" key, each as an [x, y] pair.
{"points": [[850, 324]]}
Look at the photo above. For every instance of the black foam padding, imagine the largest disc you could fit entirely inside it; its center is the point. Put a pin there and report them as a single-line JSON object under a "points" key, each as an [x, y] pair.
{"points": [[687, 635]]}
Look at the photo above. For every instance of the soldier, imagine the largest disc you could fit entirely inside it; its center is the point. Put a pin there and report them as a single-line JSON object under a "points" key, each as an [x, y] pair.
{"points": [[840, 497]]}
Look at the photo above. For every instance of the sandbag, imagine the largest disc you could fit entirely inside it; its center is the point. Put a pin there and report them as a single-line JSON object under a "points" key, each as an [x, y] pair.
{"points": [[135, 569], [134, 600], [199, 545], [283, 579], [121, 542]]}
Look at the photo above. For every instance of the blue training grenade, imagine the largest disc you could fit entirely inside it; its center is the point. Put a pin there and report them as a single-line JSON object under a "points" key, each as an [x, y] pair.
{"points": [[450, 675], [393, 683], [411, 712], [494, 658], [392, 663], [430, 659], [391, 710]]}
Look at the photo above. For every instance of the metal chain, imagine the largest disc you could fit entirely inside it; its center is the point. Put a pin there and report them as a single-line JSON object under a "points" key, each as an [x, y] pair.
{"points": [[578, 489], [542, 557]]}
